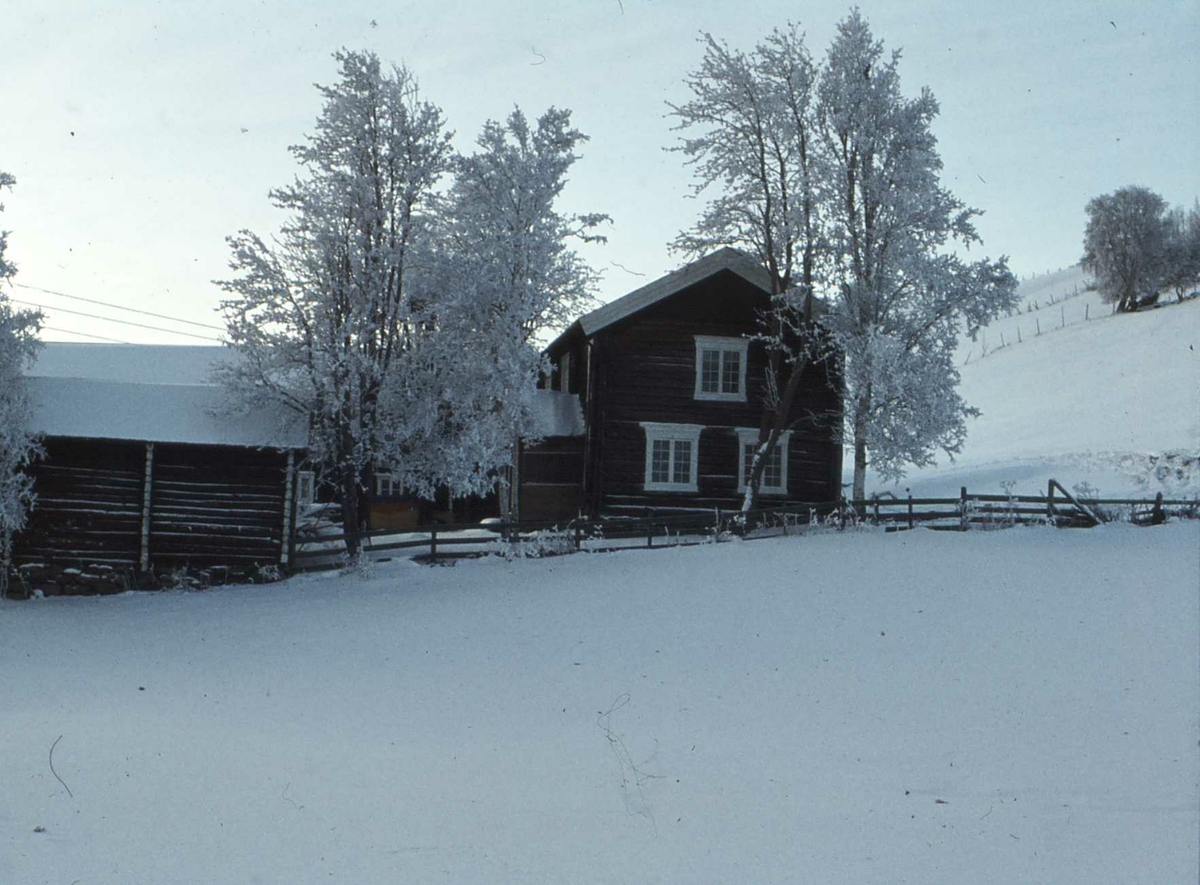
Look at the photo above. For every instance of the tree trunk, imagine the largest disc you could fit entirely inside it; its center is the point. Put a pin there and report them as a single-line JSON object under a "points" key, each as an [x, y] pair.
{"points": [[862, 409], [350, 513], [859, 492]]}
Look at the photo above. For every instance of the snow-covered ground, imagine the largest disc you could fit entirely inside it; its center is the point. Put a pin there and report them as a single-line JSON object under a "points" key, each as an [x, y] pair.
{"points": [[920, 707], [1113, 401]]}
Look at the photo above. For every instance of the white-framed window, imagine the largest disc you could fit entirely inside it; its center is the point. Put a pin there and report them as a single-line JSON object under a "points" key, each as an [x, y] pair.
{"points": [[564, 372], [386, 486], [721, 368], [306, 488], [774, 478], [672, 455]]}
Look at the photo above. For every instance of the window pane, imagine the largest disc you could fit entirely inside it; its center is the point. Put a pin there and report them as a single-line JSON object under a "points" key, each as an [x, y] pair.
{"points": [[710, 371], [682, 468], [660, 461], [773, 472], [731, 371]]}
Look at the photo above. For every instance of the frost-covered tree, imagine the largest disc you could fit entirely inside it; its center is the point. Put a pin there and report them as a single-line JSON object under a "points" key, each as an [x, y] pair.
{"points": [[901, 298], [750, 137], [1183, 249], [503, 271], [1125, 244], [325, 313], [18, 445]]}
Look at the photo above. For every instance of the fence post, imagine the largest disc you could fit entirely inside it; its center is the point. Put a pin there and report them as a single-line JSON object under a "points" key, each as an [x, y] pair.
{"points": [[876, 508], [433, 544], [649, 534], [962, 506], [717, 525], [1050, 500], [910, 510], [577, 536]]}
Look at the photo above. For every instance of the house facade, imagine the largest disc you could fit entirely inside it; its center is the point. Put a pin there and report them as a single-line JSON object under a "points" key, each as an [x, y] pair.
{"points": [[671, 386], [144, 474]]}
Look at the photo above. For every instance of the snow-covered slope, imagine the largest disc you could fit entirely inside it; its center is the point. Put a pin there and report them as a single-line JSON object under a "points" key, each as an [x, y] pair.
{"points": [[993, 707], [1109, 400]]}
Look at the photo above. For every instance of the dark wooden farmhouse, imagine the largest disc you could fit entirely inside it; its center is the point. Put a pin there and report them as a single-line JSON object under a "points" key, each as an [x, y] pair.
{"points": [[143, 478], [671, 387]]}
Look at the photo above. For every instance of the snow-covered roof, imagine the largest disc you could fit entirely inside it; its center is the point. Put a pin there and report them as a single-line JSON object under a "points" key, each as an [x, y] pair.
{"points": [[558, 414], [140, 363], [156, 393], [664, 287]]}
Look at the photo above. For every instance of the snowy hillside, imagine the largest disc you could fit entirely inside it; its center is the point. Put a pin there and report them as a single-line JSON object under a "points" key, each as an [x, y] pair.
{"points": [[856, 708], [1070, 391]]}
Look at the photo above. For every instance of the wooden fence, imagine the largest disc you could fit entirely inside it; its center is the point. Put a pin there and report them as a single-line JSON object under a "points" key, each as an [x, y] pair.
{"points": [[983, 511]]}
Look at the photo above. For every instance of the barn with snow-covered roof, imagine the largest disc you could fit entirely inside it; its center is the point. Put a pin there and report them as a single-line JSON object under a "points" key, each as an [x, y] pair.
{"points": [[144, 475]]}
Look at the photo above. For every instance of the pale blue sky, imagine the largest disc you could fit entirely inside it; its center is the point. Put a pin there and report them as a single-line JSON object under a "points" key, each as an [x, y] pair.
{"points": [[142, 133]]}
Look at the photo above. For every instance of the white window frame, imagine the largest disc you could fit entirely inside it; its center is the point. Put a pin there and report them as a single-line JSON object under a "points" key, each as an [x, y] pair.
{"points": [[724, 345], [386, 481], [656, 431], [748, 436], [306, 488]]}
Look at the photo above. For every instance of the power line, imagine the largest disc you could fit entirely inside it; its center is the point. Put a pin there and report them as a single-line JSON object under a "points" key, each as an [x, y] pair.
{"points": [[84, 334], [93, 316], [161, 316]]}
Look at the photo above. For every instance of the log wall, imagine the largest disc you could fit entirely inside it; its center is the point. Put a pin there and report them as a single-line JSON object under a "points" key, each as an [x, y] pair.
{"points": [[216, 513]]}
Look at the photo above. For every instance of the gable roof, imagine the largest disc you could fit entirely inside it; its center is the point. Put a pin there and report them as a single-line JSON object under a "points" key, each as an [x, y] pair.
{"points": [[730, 259]]}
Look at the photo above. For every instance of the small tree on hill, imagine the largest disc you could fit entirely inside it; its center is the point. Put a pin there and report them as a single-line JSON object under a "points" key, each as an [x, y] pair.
{"points": [[1125, 244], [18, 446], [1183, 250]]}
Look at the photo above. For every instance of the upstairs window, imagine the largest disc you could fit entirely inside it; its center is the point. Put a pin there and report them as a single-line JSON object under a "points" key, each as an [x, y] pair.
{"points": [[672, 454], [774, 478], [721, 368]]}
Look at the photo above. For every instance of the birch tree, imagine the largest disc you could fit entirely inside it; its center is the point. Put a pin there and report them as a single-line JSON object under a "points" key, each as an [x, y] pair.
{"points": [[323, 314], [750, 138], [18, 445], [901, 296], [504, 271]]}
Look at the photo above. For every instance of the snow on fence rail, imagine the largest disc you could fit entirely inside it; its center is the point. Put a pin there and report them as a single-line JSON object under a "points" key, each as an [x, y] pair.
{"points": [[433, 543]]}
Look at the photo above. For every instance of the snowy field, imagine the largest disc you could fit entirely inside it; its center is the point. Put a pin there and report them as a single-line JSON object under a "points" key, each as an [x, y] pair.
{"points": [[919, 707], [1113, 401]]}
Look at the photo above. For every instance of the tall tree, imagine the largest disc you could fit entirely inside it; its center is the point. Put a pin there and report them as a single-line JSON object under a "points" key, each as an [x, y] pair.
{"points": [[1125, 244], [18, 445], [901, 296], [751, 138], [504, 272], [325, 313]]}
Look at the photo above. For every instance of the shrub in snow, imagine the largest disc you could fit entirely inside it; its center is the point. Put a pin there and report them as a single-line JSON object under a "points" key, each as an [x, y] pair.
{"points": [[548, 542]]}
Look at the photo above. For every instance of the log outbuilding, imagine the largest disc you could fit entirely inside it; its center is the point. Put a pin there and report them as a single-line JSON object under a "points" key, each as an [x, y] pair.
{"points": [[146, 479]]}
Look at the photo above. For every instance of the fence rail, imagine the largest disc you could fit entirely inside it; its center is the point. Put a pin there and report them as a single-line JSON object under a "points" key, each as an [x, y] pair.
{"points": [[1057, 507]]}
